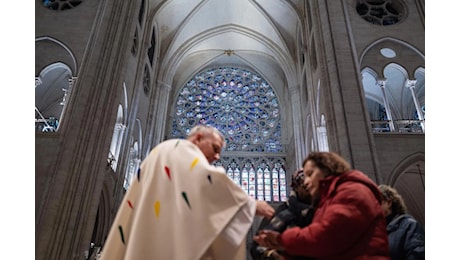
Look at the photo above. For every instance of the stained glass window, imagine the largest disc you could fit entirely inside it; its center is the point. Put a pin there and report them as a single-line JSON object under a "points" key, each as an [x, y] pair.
{"points": [[245, 108]]}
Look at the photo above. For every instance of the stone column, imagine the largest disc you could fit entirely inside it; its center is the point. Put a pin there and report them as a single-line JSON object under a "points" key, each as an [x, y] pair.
{"points": [[118, 134], [382, 83], [68, 90], [410, 84], [299, 126], [161, 108], [323, 143]]}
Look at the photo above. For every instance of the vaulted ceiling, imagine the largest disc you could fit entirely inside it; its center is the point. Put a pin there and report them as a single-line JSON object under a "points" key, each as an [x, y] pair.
{"points": [[257, 34]]}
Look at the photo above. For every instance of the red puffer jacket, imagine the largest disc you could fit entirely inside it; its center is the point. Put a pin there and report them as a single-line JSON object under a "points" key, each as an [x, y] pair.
{"points": [[348, 222]]}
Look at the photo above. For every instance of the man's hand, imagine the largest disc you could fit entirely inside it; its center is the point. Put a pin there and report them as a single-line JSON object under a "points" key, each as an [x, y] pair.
{"points": [[264, 209]]}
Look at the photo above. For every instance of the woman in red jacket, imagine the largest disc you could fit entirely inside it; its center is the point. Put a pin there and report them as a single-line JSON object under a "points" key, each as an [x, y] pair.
{"points": [[348, 222]]}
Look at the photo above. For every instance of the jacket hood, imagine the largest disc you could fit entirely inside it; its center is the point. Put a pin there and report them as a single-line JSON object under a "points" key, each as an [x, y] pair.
{"points": [[354, 176]]}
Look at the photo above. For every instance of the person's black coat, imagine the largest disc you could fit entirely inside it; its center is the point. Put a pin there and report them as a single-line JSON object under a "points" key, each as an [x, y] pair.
{"points": [[287, 214]]}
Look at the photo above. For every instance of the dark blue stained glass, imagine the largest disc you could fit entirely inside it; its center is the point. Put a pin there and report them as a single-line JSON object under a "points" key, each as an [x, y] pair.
{"points": [[237, 101]]}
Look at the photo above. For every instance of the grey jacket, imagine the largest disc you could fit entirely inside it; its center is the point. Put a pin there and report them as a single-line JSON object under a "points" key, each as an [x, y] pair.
{"points": [[406, 238]]}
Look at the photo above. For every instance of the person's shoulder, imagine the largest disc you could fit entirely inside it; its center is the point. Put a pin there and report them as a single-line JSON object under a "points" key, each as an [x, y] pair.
{"points": [[169, 141], [358, 182], [409, 219], [171, 145], [405, 220], [353, 180], [404, 217], [355, 176], [176, 142]]}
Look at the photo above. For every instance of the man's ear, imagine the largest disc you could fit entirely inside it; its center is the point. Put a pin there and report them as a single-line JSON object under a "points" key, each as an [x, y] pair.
{"points": [[195, 138]]}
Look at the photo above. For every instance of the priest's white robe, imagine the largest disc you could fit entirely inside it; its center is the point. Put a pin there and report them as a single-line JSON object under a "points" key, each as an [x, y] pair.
{"points": [[180, 207]]}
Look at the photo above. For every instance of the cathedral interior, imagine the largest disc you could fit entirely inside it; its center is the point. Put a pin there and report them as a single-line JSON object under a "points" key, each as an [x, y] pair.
{"points": [[279, 78]]}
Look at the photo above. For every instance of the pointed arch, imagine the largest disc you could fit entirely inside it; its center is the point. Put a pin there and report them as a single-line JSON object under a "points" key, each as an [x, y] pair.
{"points": [[408, 177], [103, 221], [390, 40], [406, 164], [52, 90], [66, 53]]}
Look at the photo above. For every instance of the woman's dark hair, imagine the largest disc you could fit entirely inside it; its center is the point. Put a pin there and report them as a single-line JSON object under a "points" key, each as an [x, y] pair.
{"points": [[330, 163], [390, 194]]}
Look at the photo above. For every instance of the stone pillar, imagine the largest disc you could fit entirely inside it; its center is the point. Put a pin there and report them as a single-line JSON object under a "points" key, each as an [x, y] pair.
{"points": [[161, 107], [67, 91], [410, 84], [382, 83], [323, 143], [299, 127], [119, 131]]}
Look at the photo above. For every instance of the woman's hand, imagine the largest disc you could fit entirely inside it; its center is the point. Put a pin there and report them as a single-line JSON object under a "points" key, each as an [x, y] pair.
{"points": [[269, 239]]}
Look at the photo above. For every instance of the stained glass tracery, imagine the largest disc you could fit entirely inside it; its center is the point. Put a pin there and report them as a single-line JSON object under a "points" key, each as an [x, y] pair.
{"points": [[244, 107], [236, 101]]}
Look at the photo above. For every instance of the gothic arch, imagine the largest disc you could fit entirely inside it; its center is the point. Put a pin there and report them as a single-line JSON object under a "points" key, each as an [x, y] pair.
{"points": [[392, 94], [404, 165], [59, 52], [408, 177], [52, 90], [393, 41], [373, 57], [104, 216]]}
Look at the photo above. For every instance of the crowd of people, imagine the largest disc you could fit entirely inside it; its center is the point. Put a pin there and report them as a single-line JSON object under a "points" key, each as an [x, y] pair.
{"points": [[182, 207]]}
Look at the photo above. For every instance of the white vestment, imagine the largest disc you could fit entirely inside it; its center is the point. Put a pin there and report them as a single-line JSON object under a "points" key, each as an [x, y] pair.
{"points": [[180, 207]]}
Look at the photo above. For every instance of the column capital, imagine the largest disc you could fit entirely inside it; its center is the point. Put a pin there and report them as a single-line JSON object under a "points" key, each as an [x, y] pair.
{"points": [[410, 83], [381, 82], [38, 81], [119, 126], [72, 81]]}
